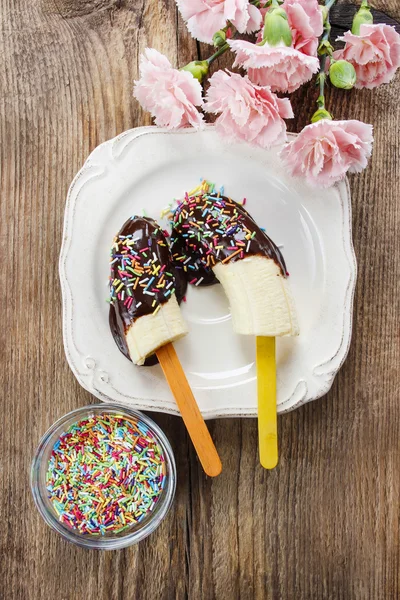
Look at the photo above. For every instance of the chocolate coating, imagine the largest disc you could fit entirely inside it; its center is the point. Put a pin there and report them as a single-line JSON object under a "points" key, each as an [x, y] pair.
{"points": [[142, 277], [207, 230]]}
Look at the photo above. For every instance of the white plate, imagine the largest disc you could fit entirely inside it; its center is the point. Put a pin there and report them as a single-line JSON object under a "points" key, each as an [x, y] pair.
{"points": [[146, 168]]}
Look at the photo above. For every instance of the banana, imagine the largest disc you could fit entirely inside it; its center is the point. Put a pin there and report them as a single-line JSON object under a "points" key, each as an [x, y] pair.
{"points": [[259, 297], [145, 289], [152, 331], [216, 239]]}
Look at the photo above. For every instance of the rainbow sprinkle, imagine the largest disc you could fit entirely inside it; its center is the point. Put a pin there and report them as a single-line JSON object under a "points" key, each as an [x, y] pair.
{"points": [[106, 473], [133, 268], [207, 223]]}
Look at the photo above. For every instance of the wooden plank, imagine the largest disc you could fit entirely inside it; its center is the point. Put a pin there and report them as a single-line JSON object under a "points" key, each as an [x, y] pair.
{"points": [[325, 523]]}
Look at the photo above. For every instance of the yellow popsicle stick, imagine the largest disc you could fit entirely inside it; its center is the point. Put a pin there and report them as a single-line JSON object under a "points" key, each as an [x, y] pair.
{"points": [[266, 392]]}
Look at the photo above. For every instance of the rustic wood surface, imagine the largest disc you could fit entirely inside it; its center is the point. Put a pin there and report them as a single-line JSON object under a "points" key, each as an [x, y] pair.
{"points": [[325, 523]]}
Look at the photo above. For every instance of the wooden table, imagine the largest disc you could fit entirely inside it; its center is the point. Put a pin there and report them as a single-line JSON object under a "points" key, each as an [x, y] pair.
{"points": [[325, 524]]}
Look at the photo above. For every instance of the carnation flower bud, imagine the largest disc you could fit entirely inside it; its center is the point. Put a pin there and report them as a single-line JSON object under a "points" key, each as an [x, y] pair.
{"points": [[320, 114], [198, 68], [277, 28], [362, 17], [325, 48], [219, 38], [342, 74]]}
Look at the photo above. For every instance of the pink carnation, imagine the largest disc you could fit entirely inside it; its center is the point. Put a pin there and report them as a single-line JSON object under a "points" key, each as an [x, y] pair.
{"points": [[171, 96], [284, 69], [326, 150], [206, 17], [305, 20], [248, 112], [375, 54], [306, 24]]}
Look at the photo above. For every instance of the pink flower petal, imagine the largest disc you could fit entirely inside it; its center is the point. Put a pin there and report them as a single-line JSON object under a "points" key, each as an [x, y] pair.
{"points": [[305, 20], [171, 96], [247, 111], [284, 69], [206, 17], [375, 54], [325, 151]]}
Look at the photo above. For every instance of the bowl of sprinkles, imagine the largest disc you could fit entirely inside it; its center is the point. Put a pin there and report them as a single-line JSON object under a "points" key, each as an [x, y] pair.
{"points": [[104, 476]]}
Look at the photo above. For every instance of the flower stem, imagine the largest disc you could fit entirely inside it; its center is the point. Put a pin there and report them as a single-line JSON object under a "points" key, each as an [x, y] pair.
{"points": [[324, 50], [218, 53], [321, 97], [323, 57]]}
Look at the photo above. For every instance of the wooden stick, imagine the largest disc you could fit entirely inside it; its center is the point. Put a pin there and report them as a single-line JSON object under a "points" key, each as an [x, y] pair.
{"points": [[266, 388], [190, 412]]}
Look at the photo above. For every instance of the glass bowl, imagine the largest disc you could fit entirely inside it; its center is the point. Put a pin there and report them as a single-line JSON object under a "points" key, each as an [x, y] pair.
{"points": [[108, 540]]}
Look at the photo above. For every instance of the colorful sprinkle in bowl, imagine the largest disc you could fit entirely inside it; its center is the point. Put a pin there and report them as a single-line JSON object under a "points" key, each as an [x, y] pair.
{"points": [[104, 476]]}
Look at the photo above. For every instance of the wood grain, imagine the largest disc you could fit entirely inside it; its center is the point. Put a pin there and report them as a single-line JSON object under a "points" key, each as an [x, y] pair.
{"points": [[325, 523]]}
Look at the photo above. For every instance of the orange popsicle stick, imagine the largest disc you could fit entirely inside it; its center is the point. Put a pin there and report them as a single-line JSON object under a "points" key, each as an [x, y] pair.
{"points": [[190, 412]]}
